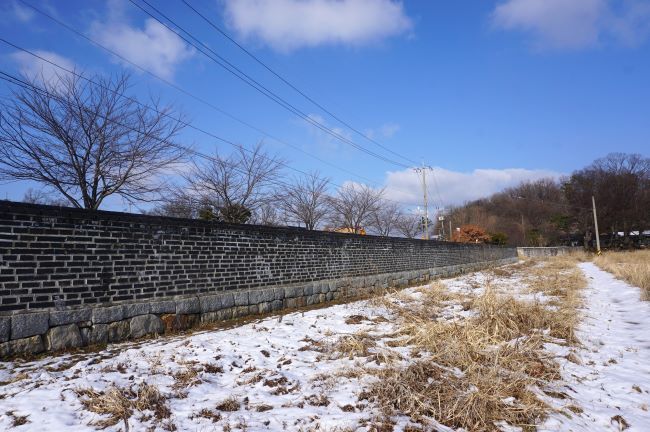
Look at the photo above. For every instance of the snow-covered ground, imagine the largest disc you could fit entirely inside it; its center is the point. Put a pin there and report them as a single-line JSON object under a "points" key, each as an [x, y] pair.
{"points": [[280, 374], [611, 380]]}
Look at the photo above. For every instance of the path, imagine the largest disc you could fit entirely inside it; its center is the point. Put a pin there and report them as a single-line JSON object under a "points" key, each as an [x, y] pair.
{"points": [[612, 385]]}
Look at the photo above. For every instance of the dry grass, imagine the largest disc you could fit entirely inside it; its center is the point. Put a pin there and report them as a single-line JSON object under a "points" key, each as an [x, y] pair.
{"points": [[633, 267], [230, 405], [118, 403], [480, 370]]}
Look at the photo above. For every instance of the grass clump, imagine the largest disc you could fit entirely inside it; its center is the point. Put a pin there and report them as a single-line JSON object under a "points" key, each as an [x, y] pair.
{"points": [[118, 403], [633, 267], [477, 372]]}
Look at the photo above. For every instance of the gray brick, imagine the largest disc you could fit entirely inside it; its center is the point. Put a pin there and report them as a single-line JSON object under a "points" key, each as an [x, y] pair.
{"points": [[29, 324]]}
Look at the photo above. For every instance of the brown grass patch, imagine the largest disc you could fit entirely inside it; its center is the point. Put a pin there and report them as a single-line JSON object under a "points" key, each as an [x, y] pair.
{"points": [[118, 403], [355, 345], [479, 370], [633, 267], [17, 420], [208, 414], [230, 405]]}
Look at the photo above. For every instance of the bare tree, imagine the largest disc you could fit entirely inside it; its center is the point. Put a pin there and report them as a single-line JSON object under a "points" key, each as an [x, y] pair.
{"points": [[87, 141], [267, 214], [354, 206], [238, 184], [305, 201], [409, 225], [179, 204], [383, 222], [41, 196]]}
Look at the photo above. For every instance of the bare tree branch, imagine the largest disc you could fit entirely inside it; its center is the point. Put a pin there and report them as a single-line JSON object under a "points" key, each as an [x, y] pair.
{"points": [[354, 206], [305, 201], [87, 141], [239, 184]]}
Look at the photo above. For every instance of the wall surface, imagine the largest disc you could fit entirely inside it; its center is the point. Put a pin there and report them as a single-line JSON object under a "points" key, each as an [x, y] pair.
{"points": [[69, 271], [533, 252]]}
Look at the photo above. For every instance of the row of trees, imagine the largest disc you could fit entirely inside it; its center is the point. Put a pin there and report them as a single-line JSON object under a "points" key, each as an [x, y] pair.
{"points": [[84, 140], [245, 187], [550, 212]]}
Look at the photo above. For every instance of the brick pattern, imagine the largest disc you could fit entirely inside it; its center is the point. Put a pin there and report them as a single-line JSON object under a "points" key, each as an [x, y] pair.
{"points": [[53, 257]]}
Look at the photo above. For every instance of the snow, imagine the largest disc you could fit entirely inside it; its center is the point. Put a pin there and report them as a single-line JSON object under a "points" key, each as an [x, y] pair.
{"points": [[278, 362], [613, 378]]}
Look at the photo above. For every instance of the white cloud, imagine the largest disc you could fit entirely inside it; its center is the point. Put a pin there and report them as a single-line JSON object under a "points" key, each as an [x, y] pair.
{"points": [[37, 69], [22, 13], [326, 142], [153, 47], [575, 24], [453, 187], [287, 25]]}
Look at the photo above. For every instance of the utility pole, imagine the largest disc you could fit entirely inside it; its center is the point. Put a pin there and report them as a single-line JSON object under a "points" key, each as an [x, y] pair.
{"points": [[451, 233], [423, 170], [593, 203], [523, 228]]}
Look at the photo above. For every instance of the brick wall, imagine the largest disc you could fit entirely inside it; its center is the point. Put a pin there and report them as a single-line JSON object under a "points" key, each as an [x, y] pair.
{"points": [[71, 277]]}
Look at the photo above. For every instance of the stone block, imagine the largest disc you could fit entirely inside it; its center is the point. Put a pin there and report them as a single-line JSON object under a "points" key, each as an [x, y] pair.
{"points": [[180, 322], [72, 316], [308, 289], [104, 315], [209, 317], [292, 292], [63, 337], [189, 305], [98, 334], [264, 307], [210, 303], [5, 328], [240, 311], [224, 314], [135, 309], [227, 300], [143, 325], [25, 346], [163, 307], [277, 305], [85, 335], [261, 296], [241, 298], [29, 324], [278, 293], [118, 331]]}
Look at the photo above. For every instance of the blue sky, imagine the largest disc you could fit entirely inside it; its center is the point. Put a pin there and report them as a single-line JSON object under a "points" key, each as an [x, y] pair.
{"points": [[490, 93]]}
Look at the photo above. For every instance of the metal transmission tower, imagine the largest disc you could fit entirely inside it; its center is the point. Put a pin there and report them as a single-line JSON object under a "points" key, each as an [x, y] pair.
{"points": [[423, 170]]}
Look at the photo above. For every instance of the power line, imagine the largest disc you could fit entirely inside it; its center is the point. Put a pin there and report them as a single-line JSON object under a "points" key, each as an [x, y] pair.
{"points": [[238, 73], [151, 108], [288, 83], [185, 92], [26, 85]]}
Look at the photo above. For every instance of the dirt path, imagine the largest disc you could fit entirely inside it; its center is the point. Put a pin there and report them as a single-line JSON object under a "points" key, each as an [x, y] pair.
{"points": [[612, 385]]}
